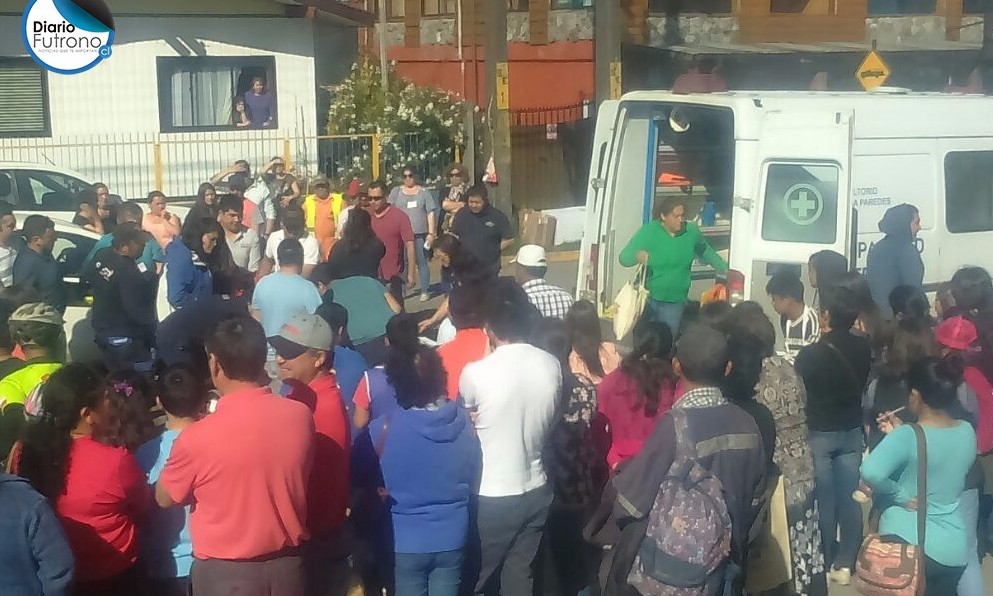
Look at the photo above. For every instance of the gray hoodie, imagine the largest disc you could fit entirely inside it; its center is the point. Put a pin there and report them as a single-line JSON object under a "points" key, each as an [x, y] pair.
{"points": [[894, 260]]}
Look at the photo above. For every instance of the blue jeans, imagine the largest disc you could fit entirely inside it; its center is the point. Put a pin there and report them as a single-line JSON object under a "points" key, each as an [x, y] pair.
{"points": [[837, 457], [423, 268], [971, 583], [670, 313], [428, 574]]}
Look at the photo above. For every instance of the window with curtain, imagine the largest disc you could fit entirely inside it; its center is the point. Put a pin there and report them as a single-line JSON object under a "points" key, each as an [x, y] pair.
{"points": [[206, 93], [24, 109]]}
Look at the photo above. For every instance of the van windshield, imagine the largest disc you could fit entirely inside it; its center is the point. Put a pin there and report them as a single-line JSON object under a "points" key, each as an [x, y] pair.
{"points": [[694, 159]]}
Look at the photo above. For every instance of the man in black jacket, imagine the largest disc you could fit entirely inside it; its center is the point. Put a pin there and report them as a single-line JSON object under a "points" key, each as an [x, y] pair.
{"points": [[123, 302]]}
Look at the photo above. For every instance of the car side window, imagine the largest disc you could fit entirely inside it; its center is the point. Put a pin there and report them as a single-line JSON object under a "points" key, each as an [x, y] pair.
{"points": [[53, 191], [70, 251], [8, 190]]}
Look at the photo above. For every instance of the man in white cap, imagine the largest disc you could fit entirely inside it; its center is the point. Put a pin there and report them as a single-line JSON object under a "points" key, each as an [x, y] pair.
{"points": [[304, 356], [532, 265]]}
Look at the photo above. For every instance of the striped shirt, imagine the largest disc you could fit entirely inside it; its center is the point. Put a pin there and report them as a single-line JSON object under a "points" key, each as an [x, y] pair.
{"points": [[800, 333]]}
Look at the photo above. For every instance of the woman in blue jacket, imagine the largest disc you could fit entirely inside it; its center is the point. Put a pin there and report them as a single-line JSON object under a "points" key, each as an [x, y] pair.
{"points": [[188, 258], [429, 503]]}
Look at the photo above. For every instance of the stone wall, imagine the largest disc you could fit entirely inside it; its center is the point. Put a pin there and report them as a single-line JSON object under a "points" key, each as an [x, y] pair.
{"points": [[974, 32], [563, 25], [578, 25], [695, 29], [896, 30]]}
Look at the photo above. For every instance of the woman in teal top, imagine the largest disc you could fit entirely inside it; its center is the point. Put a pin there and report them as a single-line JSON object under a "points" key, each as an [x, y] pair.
{"points": [[891, 471], [668, 245]]}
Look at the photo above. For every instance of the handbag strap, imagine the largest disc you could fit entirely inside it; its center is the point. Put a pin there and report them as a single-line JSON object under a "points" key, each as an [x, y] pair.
{"points": [[641, 277], [860, 387], [921, 486]]}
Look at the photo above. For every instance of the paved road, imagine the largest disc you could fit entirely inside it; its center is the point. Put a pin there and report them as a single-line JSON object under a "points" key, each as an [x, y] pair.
{"points": [[563, 274]]}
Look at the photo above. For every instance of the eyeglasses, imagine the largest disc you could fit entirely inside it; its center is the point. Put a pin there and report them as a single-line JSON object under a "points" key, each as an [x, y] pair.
{"points": [[406, 175]]}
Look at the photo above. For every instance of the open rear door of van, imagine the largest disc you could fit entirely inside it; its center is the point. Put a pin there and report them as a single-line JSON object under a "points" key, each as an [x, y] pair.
{"points": [[801, 203], [587, 283]]}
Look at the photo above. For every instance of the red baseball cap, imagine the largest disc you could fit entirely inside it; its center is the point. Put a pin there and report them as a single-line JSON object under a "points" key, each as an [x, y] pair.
{"points": [[956, 333]]}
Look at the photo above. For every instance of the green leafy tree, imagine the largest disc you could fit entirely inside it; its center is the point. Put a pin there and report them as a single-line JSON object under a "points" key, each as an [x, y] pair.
{"points": [[419, 126]]}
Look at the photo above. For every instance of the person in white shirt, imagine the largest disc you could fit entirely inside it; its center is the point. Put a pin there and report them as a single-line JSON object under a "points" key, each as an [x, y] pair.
{"points": [[293, 227], [511, 396], [8, 223], [799, 323]]}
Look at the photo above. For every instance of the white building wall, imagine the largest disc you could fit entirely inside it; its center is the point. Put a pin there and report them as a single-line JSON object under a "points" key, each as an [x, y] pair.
{"points": [[105, 122]]}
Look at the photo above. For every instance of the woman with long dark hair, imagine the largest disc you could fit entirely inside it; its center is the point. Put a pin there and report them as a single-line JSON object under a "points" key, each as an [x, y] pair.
{"points": [[590, 356], [458, 267], [430, 458], [780, 392], [206, 206], [972, 290], [870, 321], [99, 492], [188, 259], [131, 399], [823, 269], [909, 341], [359, 250], [574, 468], [891, 471], [632, 398]]}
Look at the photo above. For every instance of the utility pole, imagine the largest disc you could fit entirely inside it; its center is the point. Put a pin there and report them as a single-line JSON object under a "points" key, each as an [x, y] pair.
{"points": [[986, 54], [498, 106], [607, 35], [382, 48]]}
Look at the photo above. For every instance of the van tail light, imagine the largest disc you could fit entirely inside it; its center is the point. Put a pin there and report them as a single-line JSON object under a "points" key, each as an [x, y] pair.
{"points": [[593, 276], [736, 286]]}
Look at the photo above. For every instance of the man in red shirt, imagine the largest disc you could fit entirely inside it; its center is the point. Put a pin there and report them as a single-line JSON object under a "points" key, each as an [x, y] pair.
{"points": [[465, 307], [245, 468], [392, 227], [304, 358]]}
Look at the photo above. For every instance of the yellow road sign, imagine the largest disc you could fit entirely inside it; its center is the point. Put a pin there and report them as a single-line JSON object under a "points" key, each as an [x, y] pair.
{"points": [[873, 72], [502, 86]]}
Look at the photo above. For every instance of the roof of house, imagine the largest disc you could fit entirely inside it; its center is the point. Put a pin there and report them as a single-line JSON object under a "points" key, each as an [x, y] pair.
{"points": [[340, 12]]}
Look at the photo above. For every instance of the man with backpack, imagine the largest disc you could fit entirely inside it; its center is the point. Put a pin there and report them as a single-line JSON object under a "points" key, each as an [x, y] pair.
{"points": [[677, 518]]}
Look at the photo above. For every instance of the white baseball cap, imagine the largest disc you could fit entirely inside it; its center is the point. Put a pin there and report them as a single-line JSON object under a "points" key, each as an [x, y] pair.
{"points": [[531, 255]]}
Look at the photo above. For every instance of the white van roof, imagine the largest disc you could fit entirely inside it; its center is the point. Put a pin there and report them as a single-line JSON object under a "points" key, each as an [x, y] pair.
{"points": [[885, 113]]}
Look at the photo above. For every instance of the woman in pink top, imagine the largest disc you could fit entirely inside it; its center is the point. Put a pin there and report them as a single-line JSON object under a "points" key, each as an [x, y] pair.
{"points": [[632, 398], [591, 357]]}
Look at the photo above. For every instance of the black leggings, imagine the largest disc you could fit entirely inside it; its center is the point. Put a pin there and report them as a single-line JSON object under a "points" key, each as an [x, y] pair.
{"points": [[941, 580]]}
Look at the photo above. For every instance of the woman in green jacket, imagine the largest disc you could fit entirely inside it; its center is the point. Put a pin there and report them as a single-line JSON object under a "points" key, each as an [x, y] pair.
{"points": [[668, 245]]}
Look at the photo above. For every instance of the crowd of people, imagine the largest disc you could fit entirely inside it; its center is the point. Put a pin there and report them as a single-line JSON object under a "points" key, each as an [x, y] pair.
{"points": [[282, 427]]}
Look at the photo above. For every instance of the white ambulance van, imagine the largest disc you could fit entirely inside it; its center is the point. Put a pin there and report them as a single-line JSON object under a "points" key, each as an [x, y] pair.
{"points": [[790, 174]]}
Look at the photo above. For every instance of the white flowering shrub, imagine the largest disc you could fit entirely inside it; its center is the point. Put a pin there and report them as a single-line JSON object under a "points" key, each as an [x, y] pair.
{"points": [[419, 126]]}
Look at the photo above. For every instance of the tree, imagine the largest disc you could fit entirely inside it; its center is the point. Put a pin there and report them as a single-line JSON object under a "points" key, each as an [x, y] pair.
{"points": [[419, 126]]}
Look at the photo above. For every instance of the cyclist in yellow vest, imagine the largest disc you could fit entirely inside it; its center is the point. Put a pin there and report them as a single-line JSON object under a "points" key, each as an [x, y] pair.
{"points": [[322, 209], [37, 328]]}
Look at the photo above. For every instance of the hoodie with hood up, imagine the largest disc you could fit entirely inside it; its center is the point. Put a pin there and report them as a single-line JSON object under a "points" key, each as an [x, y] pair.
{"points": [[894, 260], [35, 558], [431, 460]]}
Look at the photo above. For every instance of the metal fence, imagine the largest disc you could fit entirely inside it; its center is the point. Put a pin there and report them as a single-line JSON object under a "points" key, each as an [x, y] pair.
{"points": [[132, 164]]}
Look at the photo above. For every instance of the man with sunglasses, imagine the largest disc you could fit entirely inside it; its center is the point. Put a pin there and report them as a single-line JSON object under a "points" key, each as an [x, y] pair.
{"points": [[304, 356], [421, 208], [453, 195]]}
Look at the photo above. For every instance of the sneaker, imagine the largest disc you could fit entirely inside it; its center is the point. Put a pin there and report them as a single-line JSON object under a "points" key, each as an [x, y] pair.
{"points": [[842, 576], [425, 296]]}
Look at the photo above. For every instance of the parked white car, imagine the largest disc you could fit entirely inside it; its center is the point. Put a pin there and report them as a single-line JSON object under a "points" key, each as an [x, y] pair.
{"points": [[51, 190], [72, 244]]}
